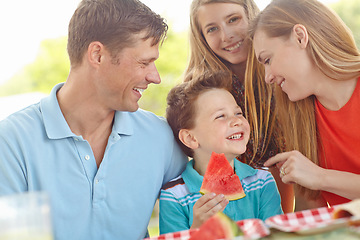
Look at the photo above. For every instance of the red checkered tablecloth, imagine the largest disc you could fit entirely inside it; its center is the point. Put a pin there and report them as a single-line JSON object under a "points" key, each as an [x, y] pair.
{"points": [[252, 228], [302, 220], [183, 235]]}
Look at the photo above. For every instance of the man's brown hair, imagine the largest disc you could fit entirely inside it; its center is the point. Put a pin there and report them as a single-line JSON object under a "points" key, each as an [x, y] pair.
{"points": [[113, 23]]}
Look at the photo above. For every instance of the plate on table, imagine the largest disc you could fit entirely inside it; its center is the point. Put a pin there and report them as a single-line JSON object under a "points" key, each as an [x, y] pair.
{"points": [[253, 228], [307, 222]]}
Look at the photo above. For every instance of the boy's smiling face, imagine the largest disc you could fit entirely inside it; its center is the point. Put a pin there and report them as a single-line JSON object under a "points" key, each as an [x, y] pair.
{"points": [[219, 125]]}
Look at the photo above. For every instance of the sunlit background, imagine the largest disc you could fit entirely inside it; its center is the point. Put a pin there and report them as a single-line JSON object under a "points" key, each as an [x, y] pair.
{"points": [[33, 49], [24, 24]]}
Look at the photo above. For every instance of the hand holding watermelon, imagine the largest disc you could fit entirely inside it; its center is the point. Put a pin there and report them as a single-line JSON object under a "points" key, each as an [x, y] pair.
{"points": [[206, 207], [220, 185]]}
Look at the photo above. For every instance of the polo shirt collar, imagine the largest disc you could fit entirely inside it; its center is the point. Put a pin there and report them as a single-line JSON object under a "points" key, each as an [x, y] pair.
{"points": [[193, 179], [123, 123], [56, 126], [243, 170]]}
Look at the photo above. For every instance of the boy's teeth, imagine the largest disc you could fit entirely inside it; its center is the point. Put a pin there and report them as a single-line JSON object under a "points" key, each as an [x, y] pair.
{"points": [[139, 90], [237, 136]]}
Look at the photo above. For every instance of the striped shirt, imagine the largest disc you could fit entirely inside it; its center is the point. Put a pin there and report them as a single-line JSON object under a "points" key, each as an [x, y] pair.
{"points": [[178, 197]]}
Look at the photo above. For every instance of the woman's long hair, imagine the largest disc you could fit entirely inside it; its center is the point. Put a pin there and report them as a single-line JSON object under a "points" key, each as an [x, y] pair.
{"points": [[203, 59], [332, 49]]}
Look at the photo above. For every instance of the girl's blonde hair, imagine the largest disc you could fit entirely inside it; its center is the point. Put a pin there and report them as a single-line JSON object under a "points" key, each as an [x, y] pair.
{"points": [[331, 47], [203, 59]]}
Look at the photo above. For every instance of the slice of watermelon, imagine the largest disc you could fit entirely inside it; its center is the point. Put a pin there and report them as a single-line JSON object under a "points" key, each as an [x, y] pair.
{"points": [[219, 226], [220, 178]]}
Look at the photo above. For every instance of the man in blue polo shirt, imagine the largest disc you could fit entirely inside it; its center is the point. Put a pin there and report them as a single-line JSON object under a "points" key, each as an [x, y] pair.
{"points": [[101, 159]]}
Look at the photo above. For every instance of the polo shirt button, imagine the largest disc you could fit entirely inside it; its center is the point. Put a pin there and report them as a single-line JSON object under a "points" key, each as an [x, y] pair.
{"points": [[87, 157]]}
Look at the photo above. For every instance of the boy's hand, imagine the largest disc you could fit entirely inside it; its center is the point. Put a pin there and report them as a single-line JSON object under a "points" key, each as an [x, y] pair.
{"points": [[207, 206]]}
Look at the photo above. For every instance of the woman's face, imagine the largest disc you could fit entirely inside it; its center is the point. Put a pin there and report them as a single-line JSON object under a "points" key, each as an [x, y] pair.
{"points": [[224, 26], [287, 64]]}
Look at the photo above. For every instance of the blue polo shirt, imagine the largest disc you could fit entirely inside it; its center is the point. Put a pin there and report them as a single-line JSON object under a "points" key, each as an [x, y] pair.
{"points": [[178, 197], [38, 152]]}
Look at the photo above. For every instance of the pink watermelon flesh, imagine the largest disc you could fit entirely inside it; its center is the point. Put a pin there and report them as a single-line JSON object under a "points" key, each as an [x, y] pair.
{"points": [[220, 178], [219, 226]]}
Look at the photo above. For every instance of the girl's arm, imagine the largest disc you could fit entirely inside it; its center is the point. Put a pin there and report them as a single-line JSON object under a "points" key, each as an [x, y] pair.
{"points": [[302, 203]]}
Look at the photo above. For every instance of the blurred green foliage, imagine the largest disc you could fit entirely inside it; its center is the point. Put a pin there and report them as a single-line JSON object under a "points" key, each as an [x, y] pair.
{"points": [[349, 12], [51, 66], [171, 65]]}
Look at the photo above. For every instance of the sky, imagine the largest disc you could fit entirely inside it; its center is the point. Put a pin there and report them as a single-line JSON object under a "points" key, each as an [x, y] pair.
{"points": [[24, 24]]}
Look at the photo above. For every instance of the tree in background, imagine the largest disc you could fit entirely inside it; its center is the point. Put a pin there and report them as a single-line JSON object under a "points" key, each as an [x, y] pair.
{"points": [[349, 12], [171, 65], [51, 66]]}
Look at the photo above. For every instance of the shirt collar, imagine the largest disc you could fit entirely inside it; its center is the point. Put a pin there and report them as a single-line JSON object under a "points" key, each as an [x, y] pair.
{"points": [[57, 128], [123, 124], [192, 178], [55, 124], [243, 170]]}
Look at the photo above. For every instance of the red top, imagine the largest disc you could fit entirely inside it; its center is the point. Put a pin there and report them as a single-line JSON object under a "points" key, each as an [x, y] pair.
{"points": [[340, 134]]}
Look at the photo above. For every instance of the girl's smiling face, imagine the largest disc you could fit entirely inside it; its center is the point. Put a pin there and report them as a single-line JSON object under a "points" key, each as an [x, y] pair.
{"points": [[224, 26]]}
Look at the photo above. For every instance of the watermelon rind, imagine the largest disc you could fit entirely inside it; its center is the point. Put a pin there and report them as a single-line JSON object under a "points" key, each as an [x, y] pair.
{"points": [[230, 197], [219, 226], [220, 178], [234, 229]]}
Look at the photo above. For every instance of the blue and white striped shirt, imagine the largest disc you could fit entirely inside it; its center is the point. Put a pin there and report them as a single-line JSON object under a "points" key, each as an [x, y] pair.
{"points": [[178, 197]]}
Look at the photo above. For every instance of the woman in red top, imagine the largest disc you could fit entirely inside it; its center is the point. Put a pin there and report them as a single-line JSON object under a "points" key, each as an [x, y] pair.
{"points": [[312, 58]]}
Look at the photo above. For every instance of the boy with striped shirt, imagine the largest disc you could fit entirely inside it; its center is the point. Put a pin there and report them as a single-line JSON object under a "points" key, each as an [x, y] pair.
{"points": [[205, 118]]}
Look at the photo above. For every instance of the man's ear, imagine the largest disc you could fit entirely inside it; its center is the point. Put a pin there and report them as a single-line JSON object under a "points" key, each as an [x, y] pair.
{"points": [[94, 53], [188, 139], [300, 35]]}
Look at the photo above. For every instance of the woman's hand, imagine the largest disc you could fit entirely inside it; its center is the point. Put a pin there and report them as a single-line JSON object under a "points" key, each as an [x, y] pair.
{"points": [[206, 207], [296, 168]]}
